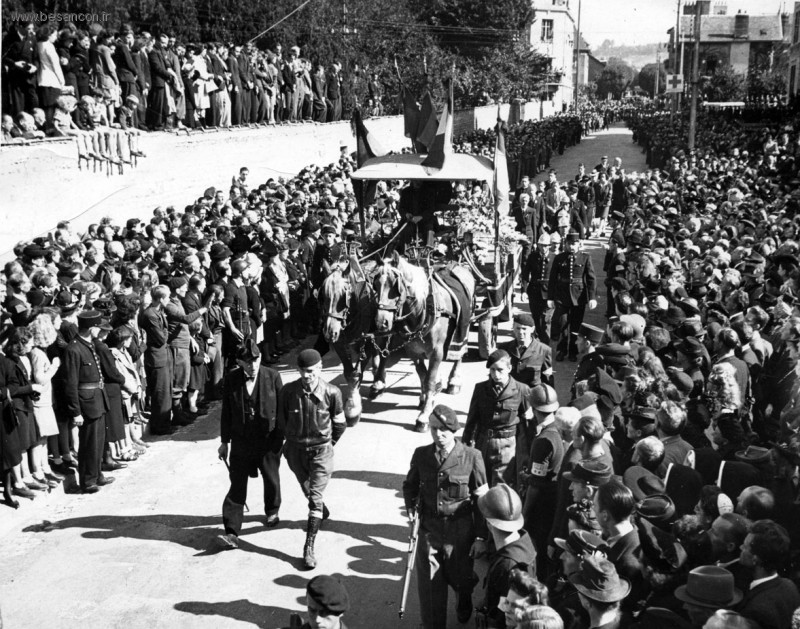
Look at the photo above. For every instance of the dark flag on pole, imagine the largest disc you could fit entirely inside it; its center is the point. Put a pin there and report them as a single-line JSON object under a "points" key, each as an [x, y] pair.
{"points": [[428, 123], [442, 144], [367, 146]]}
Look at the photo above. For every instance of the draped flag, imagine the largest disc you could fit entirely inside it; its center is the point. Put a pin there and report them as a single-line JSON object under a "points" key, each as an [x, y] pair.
{"points": [[428, 123], [442, 144], [367, 146], [500, 183]]}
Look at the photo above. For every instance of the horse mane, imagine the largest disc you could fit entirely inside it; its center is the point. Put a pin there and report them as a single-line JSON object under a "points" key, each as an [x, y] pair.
{"points": [[333, 286], [415, 278]]}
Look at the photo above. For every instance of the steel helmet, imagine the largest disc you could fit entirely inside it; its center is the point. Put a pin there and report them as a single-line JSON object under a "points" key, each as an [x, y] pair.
{"points": [[544, 398], [502, 508], [544, 239]]}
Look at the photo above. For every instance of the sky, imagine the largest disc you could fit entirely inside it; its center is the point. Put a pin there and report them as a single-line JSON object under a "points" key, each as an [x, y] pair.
{"points": [[632, 22]]}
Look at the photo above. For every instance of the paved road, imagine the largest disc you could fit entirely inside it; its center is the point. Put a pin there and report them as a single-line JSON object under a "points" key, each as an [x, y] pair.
{"points": [[140, 554]]}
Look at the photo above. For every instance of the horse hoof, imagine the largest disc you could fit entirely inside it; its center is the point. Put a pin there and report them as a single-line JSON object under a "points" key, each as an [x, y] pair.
{"points": [[453, 389], [421, 426]]}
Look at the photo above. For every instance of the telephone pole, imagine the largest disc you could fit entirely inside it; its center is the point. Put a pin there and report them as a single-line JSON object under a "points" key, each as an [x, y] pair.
{"points": [[578, 57], [695, 76], [658, 72]]}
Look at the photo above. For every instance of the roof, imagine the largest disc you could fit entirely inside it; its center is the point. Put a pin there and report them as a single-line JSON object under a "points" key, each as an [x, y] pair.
{"points": [[408, 166], [717, 28]]}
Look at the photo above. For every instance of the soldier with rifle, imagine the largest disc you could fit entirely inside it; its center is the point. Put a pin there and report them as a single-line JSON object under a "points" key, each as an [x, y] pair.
{"points": [[442, 487], [248, 424]]}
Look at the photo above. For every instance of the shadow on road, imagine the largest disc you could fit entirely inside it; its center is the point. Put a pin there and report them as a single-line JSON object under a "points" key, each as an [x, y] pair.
{"points": [[241, 610]]}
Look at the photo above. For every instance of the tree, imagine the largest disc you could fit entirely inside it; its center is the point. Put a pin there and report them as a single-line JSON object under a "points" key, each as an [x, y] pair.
{"points": [[724, 85], [647, 78], [615, 78]]}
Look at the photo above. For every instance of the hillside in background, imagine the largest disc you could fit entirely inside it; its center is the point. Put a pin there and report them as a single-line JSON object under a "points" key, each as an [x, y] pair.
{"points": [[636, 56]]}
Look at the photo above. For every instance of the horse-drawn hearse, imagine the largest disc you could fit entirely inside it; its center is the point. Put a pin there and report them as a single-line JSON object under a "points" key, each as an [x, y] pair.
{"points": [[425, 284]]}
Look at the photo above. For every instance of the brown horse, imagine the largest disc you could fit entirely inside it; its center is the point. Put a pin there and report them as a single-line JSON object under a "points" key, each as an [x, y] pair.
{"points": [[415, 312], [347, 310]]}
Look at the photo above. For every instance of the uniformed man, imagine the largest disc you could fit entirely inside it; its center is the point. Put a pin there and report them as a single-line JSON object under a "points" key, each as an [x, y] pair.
{"points": [[531, 360], [571, 289], [87, 402], [536, 275], [443, 483], [311, 418], [248, 423], [541, 470], [587, 339], [614, 265], [496, 419]]}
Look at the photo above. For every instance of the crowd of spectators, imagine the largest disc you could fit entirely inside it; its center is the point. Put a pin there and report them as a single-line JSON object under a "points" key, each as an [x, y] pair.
{"points": [[145, 82], [674, 474]]}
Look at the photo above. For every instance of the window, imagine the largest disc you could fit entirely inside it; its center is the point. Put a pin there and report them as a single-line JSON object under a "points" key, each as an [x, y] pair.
{"points": [[796, 34], [547, 30]]}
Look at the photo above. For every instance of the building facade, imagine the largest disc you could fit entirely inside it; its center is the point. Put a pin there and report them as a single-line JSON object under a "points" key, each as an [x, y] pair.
{"points": [[552, 34]]}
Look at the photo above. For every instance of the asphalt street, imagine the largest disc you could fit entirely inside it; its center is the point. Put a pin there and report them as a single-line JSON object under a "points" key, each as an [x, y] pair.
{"points": [[142, 553]]}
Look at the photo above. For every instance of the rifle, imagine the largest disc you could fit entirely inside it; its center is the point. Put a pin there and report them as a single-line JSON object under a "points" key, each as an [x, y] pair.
{"points": [[413, 538]]}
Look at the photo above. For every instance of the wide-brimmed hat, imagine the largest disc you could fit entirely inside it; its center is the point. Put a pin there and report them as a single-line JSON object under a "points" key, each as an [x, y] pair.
{"points": [[591, 472], [753, 454], [642, 482], [580, 543], [598, 580], [709, 586]]}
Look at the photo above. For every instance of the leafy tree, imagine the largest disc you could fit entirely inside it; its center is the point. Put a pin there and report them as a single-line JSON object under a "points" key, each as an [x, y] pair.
{"points": [[725, 84], [615, 78], [647, 78]]}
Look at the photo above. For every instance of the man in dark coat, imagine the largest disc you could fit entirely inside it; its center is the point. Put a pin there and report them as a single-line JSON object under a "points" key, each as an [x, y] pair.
{"points": [[19, 66], [236, 89], [497, 417], [771, 600], [536, 274], [333, 92], [248, 423], [158, 368], [157, 108], [531, 359], [502, 509], [126, 67], [87, 402], [571, 289], [443, 483]]}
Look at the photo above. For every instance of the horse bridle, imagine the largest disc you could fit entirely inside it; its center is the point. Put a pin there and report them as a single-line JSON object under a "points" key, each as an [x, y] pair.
{"points": [[339, 316], [395, 305]]}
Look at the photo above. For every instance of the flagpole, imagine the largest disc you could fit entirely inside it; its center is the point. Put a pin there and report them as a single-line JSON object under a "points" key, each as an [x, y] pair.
{"points": [[496, 208]]}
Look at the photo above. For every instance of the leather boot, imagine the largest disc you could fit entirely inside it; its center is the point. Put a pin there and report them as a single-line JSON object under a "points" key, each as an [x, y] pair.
{"points": [[309, 561]]}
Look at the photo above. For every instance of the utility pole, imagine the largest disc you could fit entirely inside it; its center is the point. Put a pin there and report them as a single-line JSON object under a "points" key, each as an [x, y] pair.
{"points": [[695, 76], [658, 72], [578, 58], [677, 67]]}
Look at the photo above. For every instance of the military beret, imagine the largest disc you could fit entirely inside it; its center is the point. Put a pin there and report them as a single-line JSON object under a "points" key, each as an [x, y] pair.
{"points": [[523, 318], [496, 356], [444, 417], [308, 358], [329, 594]]}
